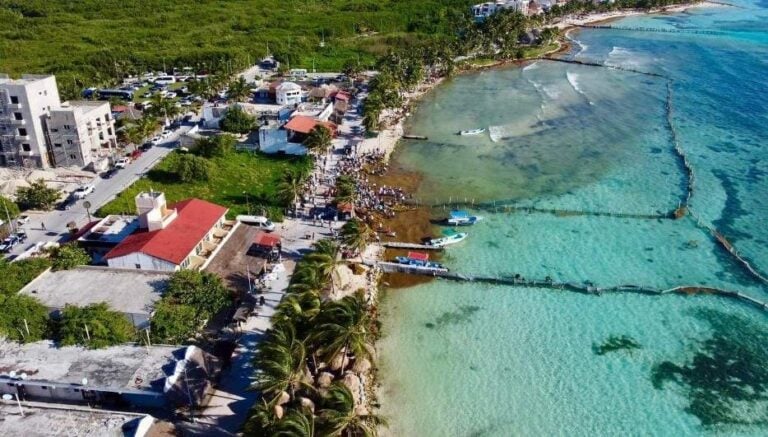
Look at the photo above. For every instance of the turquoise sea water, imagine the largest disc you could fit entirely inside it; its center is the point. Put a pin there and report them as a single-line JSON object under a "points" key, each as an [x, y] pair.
{"points": [[480, 360]]}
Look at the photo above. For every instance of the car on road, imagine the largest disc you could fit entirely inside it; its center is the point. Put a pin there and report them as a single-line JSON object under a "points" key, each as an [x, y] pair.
{"points": [[83, 191], [22, 220], [146, 146], [9, 243], [122, 162], [66, 204], [109, 173]]}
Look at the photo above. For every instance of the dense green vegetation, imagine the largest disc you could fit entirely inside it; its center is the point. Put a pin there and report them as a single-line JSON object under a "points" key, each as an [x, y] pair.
{"points": [[94, 326], [69, 256], [301, 365], [22, 318], [192, 298], [14, 276], [37, 196], [236, 180], [88, 42]]}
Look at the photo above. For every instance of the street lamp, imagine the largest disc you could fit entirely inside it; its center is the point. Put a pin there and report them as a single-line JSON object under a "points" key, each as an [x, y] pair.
{"points": [[87, 206]]}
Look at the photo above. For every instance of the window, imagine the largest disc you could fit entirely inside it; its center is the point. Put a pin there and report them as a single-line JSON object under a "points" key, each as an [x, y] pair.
{"points": [[56, 144], [67, 127], [26, 147], [72, 156], [70, 142], [22, 132], [138, 266], [15, 100], [18, 116], [54, 130], [109, 131]]}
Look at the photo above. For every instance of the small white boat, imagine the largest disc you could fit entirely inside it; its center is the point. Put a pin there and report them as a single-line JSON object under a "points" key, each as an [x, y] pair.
{"points": [[477, 131], [449, 237]]}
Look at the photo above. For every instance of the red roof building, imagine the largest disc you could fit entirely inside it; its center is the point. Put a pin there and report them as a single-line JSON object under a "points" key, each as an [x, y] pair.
{"points": [[170, 238], [303, 124]]}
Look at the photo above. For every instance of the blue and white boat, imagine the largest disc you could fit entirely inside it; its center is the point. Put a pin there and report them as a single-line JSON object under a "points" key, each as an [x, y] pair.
{"points": [[477, 131], [462, 218], [418, 259]]}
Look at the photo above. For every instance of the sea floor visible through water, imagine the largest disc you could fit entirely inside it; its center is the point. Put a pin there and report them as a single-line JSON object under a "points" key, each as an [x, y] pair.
{"points": [[468, 359]]}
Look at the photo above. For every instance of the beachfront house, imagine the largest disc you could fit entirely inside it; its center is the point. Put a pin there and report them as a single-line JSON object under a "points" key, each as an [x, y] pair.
{"points": [[482, 11], [185, 235]]}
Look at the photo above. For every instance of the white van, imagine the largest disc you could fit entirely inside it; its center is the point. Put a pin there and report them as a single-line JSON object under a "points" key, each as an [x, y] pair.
{"points": [[258, 221]]}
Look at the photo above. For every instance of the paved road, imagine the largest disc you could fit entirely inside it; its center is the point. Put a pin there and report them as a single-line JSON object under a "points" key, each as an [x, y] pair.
{"points": [[55, 222]]}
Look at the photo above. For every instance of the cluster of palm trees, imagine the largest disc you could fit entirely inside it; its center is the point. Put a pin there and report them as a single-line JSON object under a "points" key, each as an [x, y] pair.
{"points": [[319, 139], [309, 364]]}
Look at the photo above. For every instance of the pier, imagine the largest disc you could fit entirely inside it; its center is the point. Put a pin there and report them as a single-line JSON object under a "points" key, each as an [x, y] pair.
{"points": [[415, 137], [409, 246], [585, 287]]}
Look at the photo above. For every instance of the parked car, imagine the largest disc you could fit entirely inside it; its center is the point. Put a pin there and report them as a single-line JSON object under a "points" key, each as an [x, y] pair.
{"points": [[9, 243], [170, 95], [136, 154], [146, 146], [66, 204], [122, 163], [258, 221], [109, 173], [146, 95], [22, 220], [83, 191]]}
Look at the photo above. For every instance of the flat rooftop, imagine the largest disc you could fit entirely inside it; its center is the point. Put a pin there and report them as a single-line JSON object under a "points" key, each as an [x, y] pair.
{"points": [[85, 106], [45, 422], [116, 367], [126, 291], [111, 229], [25, 79]]}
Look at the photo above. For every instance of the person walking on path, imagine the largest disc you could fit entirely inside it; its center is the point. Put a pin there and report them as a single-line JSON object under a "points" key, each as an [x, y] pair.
{"points": [[42, 225]]}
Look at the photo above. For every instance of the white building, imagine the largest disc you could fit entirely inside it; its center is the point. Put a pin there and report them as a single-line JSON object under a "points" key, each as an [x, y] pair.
{"points": [[185, 235], [482, 11], [37, 130], [288, 93], [81, 132], [24, 106]]}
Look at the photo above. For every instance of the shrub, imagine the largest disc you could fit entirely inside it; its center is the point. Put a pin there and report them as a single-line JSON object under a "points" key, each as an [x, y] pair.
{"points": [[217, 146], [237, 121], [22, 318], [68, 256], [14, 276], [173, 323], [94, 326], [203, 291], [190, 168], [37, 196]]}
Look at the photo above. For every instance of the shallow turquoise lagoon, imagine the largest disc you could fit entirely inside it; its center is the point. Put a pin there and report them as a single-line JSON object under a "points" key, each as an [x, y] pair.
{"points": [[480, 360]]}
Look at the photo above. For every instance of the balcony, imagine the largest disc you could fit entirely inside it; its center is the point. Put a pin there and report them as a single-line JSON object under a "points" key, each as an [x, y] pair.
{"points": [[15, 122], [14, 105]]}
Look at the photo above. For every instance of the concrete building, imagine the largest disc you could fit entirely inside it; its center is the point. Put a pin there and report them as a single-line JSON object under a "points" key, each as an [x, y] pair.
{"points": [[81, 133], [24, 107], [129, 377], [130, 292], [288, 93], [37, 130], [185, 235]]}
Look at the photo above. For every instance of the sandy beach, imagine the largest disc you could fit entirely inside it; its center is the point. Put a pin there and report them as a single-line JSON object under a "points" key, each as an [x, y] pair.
{"points": [[583, 20]]}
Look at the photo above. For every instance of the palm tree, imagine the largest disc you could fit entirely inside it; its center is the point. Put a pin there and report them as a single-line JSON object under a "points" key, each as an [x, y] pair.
{"points": [[261, 419], [343, 326], [162, 107], [238, 90], [290, 187], [346, 190], [356, 234], [319, 139], [327, 247], [281, 363], [338, 418], [299, 306], [295, 424]]}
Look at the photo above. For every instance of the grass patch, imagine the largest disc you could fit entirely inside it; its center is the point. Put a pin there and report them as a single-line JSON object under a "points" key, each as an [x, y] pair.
{"points": [[232, 175]]}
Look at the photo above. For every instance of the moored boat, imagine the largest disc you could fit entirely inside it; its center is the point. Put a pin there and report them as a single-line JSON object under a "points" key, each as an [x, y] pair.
{"points": [[418, 259], [477, 131], [449, 237], [462, 218]]}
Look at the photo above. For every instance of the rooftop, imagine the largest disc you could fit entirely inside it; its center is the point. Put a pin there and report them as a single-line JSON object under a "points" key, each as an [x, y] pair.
{"points": [[25, 79], [116, 367], [304, 124], [111, 229], [43, 422], [174, 243], [127, 291]]}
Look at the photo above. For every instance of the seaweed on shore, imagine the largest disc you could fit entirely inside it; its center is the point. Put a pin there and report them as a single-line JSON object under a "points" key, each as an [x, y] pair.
{"points": [[726, 380], [616, 343]]}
